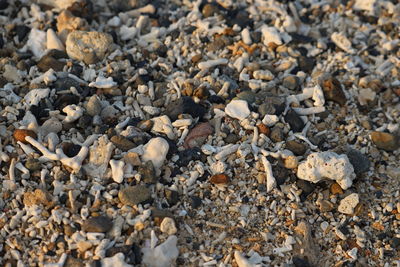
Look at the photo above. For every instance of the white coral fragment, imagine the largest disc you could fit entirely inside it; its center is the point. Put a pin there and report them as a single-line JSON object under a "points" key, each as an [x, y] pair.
{"points": [[73, 112], [270, 35], [329, 165], [342, 42], [117, 170], [103, 83], [164, 255]]}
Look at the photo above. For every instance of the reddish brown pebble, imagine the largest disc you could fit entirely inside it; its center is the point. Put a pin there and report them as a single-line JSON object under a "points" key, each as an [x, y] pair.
{"points": [[385, 141], [198, 135], [20, 134], [336, 189], [263, 129], [219, 179]]}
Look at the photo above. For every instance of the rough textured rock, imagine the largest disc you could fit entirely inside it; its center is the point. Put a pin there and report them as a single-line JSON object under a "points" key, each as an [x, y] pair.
{"points": [[198, 135], [99, 224]]}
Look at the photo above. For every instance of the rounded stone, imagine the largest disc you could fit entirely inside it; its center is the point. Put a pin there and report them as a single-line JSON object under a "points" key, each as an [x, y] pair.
{"points": [[93, 106], [291, 82], [385, 141], [99, 224], [134, 195]]}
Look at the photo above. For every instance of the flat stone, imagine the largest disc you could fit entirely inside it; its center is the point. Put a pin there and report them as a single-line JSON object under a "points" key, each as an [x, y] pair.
{"points": [[21, 134], [385, 141], [291, 82], [296, 147], [80, 43], [37, 197], [248, 96], [238, 109], [184, 105], [93, 106], [209, 10], [333, 91], [219, 179], [306, 64], [147, 173], [99, 224], [33, 164], [48, 62], [132, 158], [294, 120], [198, 135], [187, 155], [70, 149], [348, 204], [122, 142], [134, 195], [359, 161], [277, 134]]}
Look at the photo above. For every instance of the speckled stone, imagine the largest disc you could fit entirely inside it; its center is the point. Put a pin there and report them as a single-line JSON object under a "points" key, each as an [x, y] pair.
{"points": [[134, 195], [99, 224]]}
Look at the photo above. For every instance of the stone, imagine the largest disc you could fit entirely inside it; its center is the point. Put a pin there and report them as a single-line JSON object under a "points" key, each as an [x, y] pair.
{"points": [[38, 197], [238, 109], [33, 164], [184, 105], [163, 255], [232, 138], [132, 158], [277, 134], [118, 260], [336, 189], [291, 82], [53, 42], [263, 129], [93, 106], [147, 173], [73, 262], [21, 134], [156, 151], [333, 91], [66, 83], [172, 197], [348, 204], [122, 142], [327, 165], [325, 205], [198, 135], [306, 64], [296, 147], [360, 162], [99, 224], [84, 246], [70, 149], [134, 195], [306, 186], [386, 141], [80, 43], [295, 121], [67, 22], [196, 202], [11, 74], [187, 155], [168, 226], [219, 179], [48, 62], [248, 96], [51, 125], [209, 10]]}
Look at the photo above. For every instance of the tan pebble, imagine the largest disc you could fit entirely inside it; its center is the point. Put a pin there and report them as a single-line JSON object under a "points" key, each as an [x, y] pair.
{"points": [[21, 134], [263, 129], [84, 246], [291, 162], [385, 141], [336, 189]]}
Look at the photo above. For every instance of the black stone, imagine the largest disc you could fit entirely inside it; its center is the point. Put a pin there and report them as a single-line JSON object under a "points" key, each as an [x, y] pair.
{"points": [[70, 149], [188, 155], [1, 41], [172, 197], [184, 105], [48, 62], [294, 120], [300, 262], [21, 31], [147, 173], [65, 100], [216, 99], [100, 224], [195, 202], [66, 83], [359, 161], [76, 69], [57, 54], [85, 121], [3, 4], [395, 242], [306, 64], [298, 38], [306, 186]]}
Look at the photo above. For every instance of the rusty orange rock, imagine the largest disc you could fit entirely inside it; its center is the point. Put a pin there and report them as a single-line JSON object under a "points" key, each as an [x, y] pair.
{"points": [[219, 179], [20, 134]]}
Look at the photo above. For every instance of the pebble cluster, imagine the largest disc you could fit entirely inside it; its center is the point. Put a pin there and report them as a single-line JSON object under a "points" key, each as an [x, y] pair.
{"points": [[199, 133]]}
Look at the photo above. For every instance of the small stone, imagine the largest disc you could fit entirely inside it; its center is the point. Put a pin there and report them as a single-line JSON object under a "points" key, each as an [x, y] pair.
{"points": [[196, 58], [80, 43], [66, 83], [300, 262], [198, 135], [296, 147], [93, 106], [158, 215], [70, 149], [184, 105], [122, 142], [294, 120], [263, 129], [219, 179], [238, 109], [306, 186], [248, 96], [83, 246], [290, 162], [33, 164], [172, 197], [188, 155], [48, 62], [196, 202], [168, 226], [277, 134], [147, 173], [306, 64], [232, 138], [336, 189], [37, 197], [333, 91], [385, 141], [134, 195], [73, 262], [156, 150], [132, 158], [51, 125], [145, 125], [21, 31], [21, 134], [99, 224], [291, 82], [209, 10], [325, 205], [348, 204], [359, 161]]}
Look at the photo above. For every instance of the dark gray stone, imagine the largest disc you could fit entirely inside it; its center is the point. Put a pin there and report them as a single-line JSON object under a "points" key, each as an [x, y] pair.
{"points": [[99, 224], [359, 161], [294, 120]]}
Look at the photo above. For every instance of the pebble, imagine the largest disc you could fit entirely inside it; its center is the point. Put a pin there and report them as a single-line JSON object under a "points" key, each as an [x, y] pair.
{"points": [[147, 173], [232, 138], [122, 142], [196, 202], [294, 120], [248, 96], [209, 10], [385, 141], [238, 109], [93, 106], [336, 189], [187, 155], [48, 62], [70, 149], [80, 44], [219, 179], [21, 134], [359, 161], [156, 150], [172, 197], [348, 204], [132, 158], [296, 147], [99, 224], [11, 74], [333, 91], [168, 226], [198, 135], [277, 134], [306, 64], [134, 195], [184, 105], [291, 82], [33, 164]]}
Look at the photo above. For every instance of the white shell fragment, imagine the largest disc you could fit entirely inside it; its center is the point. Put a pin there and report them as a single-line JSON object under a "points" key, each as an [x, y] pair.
{"points": [[327, 165], [348, 204], [212, 63], [156, 151], [238, 109], [270, 35], [73, 112], [341, 41], [102, 82], [117, 169]]}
